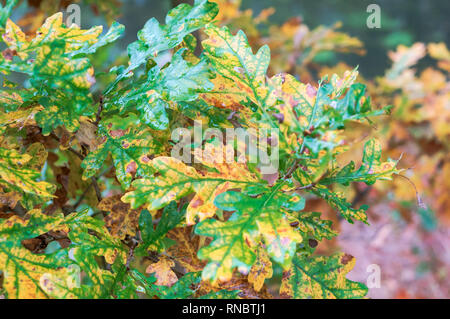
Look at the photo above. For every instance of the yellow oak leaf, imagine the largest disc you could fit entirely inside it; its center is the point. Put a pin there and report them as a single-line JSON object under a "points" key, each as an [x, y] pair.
{"points": [[163, 272], [261, 270]]}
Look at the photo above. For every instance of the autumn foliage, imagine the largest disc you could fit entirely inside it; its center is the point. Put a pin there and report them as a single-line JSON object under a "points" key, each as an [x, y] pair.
{"points": [[93, 204]]}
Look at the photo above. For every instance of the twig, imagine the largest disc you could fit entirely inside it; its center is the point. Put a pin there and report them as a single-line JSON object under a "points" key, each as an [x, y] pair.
{"points": [[98, 193], [134, 243], [80, 156], [81, 197], [301, 187], [292, 169], [231, 118], [96, 187], [99, 111], [420, 202]]}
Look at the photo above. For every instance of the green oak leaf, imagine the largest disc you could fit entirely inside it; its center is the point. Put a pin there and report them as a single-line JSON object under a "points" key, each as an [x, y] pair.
{"points": [[179, 82], [22, 269], [173, 179], [311, 223], [17, 173], [59, 73], [338, 201], [371, 169], [321, 278], [58, 274], [64, 86], [155, 38], [115, 31], [240, 74], [234, 241], [5, 11], [130, 146], [89, 240], [155, 239], [179, 290]]}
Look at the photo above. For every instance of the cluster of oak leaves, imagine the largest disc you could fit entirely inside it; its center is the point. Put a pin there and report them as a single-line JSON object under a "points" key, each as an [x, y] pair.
{"points": [[93, 206]]}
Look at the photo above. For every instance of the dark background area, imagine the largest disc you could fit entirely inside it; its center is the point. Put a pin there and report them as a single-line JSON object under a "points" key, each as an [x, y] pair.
{"points": [[402, 22]]}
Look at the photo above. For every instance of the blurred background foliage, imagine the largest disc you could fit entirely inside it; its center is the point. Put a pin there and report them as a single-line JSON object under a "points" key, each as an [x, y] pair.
{"points": [[403, 21], [405, 64]]}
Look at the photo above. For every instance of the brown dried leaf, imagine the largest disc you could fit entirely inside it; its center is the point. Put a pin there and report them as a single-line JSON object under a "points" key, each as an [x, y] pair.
{"points": [[185, 250], [121, 220], [9, 199], [163, 272], [87, 135], [236, 283]]}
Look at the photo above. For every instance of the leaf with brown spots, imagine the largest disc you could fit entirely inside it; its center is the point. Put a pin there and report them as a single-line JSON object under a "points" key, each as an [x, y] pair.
{"points": [[240, 73], [19, 172], [184, 251], [121, 220], [60, 74], [174, 180], [22, 269], [239, 285], [130, 145], [31, 273], [261, 270], [235, 240], [163, 272], [20, 118]]}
